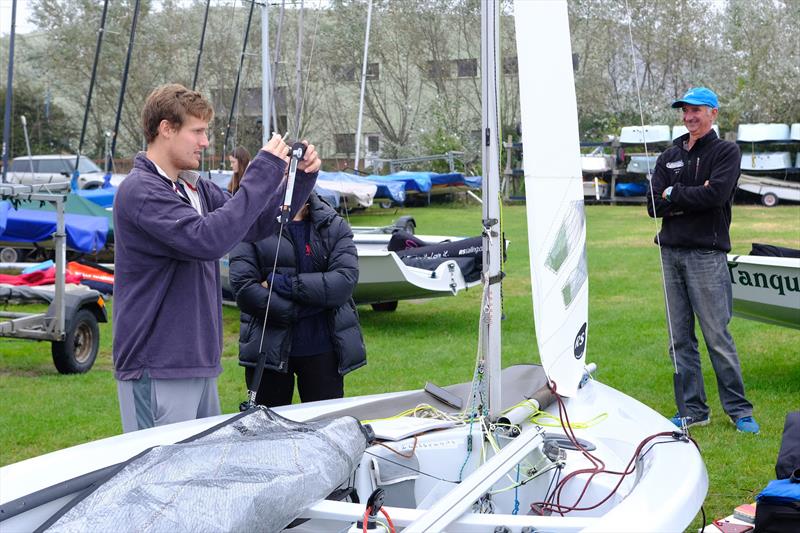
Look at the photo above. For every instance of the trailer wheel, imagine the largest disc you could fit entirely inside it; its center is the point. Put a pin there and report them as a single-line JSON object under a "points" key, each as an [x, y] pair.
{"points": [[769, 200], [385, 306], [76, 354], [8, 255]]}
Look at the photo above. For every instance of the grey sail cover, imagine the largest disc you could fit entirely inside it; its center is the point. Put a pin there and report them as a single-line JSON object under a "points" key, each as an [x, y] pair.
{"points": [[257, 472]]}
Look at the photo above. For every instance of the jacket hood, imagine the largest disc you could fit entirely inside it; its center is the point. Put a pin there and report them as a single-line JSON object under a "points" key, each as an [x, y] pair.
{"points": [[320, 212]]}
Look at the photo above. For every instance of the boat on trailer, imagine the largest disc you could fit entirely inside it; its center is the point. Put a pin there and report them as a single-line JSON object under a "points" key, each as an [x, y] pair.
{"points": [[523, 449]]}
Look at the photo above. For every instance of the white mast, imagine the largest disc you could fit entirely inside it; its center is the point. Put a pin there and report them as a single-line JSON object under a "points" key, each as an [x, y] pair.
{"points": [[363, 84], [492, 245]]}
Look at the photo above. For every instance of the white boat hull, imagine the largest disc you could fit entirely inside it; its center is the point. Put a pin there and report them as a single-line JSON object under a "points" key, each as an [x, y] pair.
{"points": [[766, 289], [664, 494], [383, 277]]}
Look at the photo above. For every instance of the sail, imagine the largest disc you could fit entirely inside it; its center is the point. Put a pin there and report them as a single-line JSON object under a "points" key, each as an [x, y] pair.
{"points": [[553, 189]]}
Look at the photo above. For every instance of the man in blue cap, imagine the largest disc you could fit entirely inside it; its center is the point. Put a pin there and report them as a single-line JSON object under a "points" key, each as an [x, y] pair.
{"points": [[692, 191]]}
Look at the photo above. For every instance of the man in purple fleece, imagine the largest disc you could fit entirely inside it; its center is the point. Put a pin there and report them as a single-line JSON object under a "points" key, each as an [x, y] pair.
{"points": [[171, 228]]}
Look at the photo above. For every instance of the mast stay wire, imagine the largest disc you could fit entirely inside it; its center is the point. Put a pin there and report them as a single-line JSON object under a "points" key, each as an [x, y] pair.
{"points": [[650, 186]]}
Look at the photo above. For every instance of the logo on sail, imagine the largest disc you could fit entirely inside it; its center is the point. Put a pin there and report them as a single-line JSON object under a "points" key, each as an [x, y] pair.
{"points": [[580, 342]]}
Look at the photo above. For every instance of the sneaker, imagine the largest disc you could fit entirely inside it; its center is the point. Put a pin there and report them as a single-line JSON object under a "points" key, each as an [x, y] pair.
{"points": [[747, 424], [690, 421]]}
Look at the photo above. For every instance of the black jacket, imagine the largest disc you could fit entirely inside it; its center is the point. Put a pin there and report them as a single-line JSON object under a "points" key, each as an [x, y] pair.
{"points": [[696, 216], [331, 287]]}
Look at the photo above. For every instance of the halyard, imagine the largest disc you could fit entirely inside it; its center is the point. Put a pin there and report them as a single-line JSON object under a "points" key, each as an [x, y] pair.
{"points": [[435, 340]]}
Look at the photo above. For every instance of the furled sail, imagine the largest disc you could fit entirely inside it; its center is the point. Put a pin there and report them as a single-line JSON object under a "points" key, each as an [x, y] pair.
{"points": [[255, 472], [553, 189]]}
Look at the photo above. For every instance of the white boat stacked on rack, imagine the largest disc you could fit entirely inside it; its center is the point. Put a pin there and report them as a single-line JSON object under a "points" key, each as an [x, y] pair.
{"points": [[480, 460], [754, 133], [650, 134], [766, 161]]}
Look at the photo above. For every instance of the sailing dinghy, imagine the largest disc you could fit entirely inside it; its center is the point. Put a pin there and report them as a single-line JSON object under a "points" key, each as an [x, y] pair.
{"points": [[526, 448]]}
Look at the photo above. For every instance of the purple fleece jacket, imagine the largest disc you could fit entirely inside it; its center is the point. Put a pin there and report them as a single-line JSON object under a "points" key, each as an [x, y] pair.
{"points": [[167, 299]]}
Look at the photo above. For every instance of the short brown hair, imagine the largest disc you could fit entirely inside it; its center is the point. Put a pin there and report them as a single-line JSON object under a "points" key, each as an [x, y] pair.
{"points": [[173, 102]]}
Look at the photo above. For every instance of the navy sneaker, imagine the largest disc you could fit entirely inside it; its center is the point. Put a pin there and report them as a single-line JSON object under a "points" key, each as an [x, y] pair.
{"points": [[747, 424], [690, 421]]}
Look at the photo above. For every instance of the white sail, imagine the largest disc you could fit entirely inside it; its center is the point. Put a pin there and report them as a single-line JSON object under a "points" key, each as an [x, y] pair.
{"points": [[553, 189]]}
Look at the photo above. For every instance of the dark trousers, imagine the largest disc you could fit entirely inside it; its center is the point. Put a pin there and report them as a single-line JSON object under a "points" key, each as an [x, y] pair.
{"points": [[317, 379]]}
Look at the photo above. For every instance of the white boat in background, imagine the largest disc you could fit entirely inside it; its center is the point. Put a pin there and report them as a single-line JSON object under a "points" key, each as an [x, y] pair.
{"points": [[680, 129], [597, 162], [766, 289], [477, 458], [642, 164], [349, 193], [650, 134], [595, 188], [770, 190], [762, 132], [764, 161]]}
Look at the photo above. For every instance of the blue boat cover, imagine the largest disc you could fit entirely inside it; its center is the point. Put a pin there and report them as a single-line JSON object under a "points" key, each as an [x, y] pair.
{"points": [[85, 233], [631, 189], [103, 197]]}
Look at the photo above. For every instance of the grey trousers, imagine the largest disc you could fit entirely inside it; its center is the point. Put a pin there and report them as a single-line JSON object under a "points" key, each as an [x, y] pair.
{"points": [[698, 285], [147, 402]]}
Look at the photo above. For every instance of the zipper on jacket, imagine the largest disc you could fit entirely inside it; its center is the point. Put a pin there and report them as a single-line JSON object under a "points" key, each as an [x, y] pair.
{"points": [[697, 169]]}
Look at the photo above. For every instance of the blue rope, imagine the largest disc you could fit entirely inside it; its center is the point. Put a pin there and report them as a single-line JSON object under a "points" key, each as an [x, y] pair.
{"points": [[516, 495]]}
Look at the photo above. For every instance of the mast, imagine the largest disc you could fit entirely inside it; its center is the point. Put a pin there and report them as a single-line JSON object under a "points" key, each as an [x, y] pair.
{"points": [[100, 32], [9, 89], [266, 75], [236, 85], [276, 63], [200, 48], [363, 85], [298, 97], [115, 132], [492, 238]]}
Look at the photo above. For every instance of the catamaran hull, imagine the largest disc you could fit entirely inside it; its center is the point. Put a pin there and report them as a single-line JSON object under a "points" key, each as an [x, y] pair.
{"points": [[766, 289], [664, 494]]}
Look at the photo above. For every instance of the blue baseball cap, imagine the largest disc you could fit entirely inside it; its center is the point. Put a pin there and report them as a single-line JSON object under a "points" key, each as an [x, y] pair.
{"points": [[698, 96]]}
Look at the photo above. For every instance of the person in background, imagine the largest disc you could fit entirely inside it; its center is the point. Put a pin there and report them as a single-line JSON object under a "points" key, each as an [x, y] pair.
{"points": [[239, 160], [312, 328], [171, 228], [692, 192]]}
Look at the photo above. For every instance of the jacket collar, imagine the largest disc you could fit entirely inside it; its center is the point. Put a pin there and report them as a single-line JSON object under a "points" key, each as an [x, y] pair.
{"points": [[142, 162], [702, 141]]}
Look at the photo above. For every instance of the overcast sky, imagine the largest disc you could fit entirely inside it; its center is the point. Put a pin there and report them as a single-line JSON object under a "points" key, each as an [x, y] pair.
{"points": [[23, 26]]}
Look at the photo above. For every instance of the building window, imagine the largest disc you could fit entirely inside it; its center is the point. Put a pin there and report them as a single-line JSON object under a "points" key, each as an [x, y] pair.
{"points": [[510, 65], [437, 69], [373, 143], [345, 143], [373, 71], [467, 68]]}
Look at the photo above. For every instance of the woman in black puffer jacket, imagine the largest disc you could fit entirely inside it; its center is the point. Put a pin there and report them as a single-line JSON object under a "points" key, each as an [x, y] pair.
{"points": [[312, 327]]}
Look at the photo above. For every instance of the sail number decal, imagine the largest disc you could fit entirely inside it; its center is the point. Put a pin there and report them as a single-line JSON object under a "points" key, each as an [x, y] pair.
{"points": [[580, 342]]}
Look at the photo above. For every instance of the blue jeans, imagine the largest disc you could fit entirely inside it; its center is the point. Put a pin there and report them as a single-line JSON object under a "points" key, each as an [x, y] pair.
{"points": [[698, 283]]}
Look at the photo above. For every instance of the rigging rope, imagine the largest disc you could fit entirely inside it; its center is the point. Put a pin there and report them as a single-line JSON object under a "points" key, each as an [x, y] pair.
{"points": [[650, 186]]}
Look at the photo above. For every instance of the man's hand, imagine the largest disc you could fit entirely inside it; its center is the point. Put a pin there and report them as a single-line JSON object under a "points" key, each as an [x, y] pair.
{"points": [[311, 162], [277, 147]]}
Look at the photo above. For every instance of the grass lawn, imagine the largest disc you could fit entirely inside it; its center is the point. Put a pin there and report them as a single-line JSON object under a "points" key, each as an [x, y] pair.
{"points": [[436, 340]]}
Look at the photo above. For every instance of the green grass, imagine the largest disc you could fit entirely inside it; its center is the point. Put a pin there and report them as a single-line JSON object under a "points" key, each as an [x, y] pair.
{"points": [[435, 340]]}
